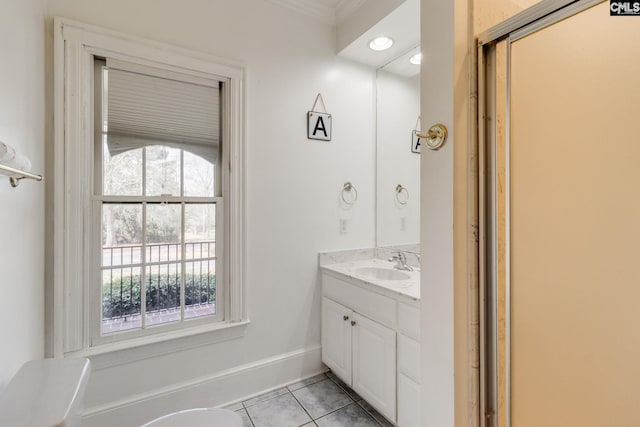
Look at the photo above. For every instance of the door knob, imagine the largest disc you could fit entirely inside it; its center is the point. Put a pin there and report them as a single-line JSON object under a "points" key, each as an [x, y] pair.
{"points": [[353, 323], [345, 318]]}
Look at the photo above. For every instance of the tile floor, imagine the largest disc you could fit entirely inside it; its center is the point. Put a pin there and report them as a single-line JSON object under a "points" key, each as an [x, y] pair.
{"points": [[322, 401]]}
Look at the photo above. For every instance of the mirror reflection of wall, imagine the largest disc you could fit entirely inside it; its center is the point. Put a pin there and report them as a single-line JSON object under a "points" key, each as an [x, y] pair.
{"points": [[398, 108]]}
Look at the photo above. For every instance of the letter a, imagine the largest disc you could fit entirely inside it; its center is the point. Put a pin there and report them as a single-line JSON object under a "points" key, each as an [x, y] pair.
{"points": [[320, 126]]}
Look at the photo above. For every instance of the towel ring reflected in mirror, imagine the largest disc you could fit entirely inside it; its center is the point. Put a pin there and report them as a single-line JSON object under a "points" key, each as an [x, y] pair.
{"points": [[349, 194], [402, 194]]}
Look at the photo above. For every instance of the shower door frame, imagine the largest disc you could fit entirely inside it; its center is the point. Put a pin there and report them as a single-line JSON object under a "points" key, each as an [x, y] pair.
{"points": [[533, 19]]}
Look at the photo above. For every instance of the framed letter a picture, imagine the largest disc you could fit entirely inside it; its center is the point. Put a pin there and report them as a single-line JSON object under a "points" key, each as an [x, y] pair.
{"points": [[319, 126]]}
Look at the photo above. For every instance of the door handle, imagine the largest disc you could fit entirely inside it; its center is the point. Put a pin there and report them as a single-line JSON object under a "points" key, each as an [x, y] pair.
{"points": [[353, 323], [345, 317]]}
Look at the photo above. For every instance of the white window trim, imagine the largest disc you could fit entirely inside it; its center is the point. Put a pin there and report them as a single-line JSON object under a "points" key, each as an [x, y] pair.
{"points": [[75, 45]]}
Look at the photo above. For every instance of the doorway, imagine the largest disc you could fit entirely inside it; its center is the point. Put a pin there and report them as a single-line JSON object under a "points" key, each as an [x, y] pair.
{"points": [[560, 218]]}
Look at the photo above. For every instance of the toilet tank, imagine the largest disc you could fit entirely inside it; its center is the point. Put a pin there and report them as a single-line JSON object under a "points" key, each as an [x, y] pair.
{"points": [[46, 393]]}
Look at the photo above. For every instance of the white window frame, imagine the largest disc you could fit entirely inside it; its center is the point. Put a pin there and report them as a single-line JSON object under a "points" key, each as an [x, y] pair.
{"points": [[73, 299], [97, 337]]}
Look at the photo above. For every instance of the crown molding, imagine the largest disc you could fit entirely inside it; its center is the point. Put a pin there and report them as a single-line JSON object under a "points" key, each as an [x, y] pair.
{"points": [[346, 8], [330, 12]]}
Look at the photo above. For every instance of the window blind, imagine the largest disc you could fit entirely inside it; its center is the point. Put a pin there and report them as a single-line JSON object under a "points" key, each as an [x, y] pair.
{"points": [[143, 109]]}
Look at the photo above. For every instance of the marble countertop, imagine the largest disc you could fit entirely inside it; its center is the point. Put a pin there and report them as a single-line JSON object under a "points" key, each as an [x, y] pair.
{"points": [[409, 288]]}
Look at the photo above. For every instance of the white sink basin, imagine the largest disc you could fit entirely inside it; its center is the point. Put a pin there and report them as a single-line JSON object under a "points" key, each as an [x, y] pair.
{"points": [[382, 273]]}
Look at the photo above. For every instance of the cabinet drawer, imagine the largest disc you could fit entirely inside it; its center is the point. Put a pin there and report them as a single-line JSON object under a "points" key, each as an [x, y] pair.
{"points": [[375, 306], [409, 357], [409, 321]]}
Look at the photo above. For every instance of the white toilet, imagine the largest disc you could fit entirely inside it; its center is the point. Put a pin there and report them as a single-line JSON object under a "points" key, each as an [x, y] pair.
{"points": [[50, 393]]}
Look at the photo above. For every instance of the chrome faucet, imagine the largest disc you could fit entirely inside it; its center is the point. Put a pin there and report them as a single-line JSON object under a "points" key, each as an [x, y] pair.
{"points": [[401, 262]]}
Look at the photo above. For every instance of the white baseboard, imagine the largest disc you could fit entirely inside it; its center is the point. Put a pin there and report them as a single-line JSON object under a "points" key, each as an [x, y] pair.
{"points": [[217, 389]]}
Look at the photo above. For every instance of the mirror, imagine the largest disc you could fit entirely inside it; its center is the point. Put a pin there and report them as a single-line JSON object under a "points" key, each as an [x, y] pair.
{"points": [[398, 168]]}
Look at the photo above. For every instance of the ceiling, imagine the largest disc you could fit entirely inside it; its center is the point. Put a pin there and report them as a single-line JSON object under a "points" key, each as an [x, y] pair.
{"points": [[401, 65], [357, 22], [402, 25]]}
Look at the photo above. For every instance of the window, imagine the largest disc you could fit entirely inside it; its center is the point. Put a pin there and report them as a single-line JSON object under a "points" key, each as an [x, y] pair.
{"points": [[158, 187], [149, 217]]}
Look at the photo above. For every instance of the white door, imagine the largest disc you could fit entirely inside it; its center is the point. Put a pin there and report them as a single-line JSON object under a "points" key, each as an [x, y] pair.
{"points": [[336, 338], [374, 364]]}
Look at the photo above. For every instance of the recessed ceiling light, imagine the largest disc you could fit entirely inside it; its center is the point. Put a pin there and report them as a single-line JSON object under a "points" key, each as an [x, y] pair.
{"points": [[416, 59], [381, 43]]}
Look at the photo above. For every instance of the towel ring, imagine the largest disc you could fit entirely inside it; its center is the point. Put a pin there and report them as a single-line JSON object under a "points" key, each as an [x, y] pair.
{"points": [[402, 194], [348, 188]]}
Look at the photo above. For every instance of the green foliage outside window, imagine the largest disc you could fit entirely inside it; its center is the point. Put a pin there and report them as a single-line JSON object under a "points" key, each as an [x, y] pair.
{"points": [[122, 296]]}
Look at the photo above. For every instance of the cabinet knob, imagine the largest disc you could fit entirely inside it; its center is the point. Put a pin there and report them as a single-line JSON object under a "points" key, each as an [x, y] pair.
{"points": [[345, 318], [353, 323]]}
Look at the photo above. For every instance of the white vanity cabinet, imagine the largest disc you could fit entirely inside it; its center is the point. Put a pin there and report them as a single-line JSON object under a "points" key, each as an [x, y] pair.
{"points": [[374, 364], [362, 353], [370, 341], [336, 342]]}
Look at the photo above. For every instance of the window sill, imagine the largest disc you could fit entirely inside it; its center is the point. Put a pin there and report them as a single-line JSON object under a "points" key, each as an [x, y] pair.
{"points": [[127, 351]]}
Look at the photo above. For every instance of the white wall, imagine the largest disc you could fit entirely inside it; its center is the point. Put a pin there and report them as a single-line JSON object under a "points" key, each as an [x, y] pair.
{"points": [[22, 208], [436, 225], [398, 100], [293, 185], [448, 225]]}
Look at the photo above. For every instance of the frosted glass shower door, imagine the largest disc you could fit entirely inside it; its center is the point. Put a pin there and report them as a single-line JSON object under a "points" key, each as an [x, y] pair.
{"points": [[568, 223]]}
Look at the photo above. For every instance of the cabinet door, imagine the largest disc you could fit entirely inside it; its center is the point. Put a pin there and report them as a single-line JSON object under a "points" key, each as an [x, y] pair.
{"points": [[336, 338], [408, 402], [374, 364], [409, 358]]}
